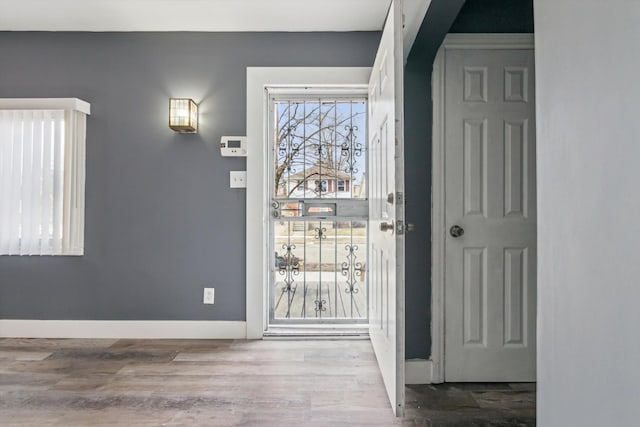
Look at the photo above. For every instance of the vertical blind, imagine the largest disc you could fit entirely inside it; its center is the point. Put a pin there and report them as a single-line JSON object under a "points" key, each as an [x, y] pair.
{"points": [[41, 182]]}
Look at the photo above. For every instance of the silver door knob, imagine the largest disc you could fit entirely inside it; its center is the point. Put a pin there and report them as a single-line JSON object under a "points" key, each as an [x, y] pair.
{"points": [[456, 231], [386, 226]]}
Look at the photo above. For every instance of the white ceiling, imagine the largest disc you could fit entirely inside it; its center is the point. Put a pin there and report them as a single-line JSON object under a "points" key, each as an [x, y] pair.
{"points": [[193, 15], [207, 15]]}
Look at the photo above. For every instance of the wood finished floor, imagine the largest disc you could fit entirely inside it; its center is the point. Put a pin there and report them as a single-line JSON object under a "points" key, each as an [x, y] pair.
{"points": [[230, 382]]}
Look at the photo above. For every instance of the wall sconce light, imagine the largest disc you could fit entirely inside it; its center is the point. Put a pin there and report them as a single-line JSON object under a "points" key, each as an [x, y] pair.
{"points": [[183, 115]]}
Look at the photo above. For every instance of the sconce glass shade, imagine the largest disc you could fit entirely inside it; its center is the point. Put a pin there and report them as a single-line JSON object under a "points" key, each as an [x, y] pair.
{"points": [[183, 115]]}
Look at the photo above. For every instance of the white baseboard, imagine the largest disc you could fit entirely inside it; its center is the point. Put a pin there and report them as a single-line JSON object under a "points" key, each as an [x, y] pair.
{"points": [[141, 329], [417, 371]]}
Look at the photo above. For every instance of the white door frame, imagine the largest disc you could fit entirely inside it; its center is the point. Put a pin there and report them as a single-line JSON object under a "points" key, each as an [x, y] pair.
{"points": [[257, 194], [451, 41]]}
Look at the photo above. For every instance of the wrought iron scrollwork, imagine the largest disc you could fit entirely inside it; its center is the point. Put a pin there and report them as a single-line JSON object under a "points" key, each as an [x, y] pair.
{"points": [[351, 149], [321, 305], [321, 233], [352, 269], [288, 266], [287, 148], [288, 261]]}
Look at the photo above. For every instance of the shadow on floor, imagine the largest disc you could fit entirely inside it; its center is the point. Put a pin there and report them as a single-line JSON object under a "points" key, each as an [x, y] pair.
{"points": [[471, 404]]}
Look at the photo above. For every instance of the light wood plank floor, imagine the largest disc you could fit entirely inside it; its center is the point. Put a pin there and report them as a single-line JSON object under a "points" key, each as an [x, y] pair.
{"points": [[225, 383]]}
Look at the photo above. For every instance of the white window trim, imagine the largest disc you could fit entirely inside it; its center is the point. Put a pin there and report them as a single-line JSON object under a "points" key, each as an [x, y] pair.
{"points": [[76, 111], [45, 104], [257, 235]]}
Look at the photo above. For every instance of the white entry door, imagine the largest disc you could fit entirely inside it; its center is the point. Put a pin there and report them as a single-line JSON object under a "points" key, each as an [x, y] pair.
{"points": [[490, 215], [386, 208]]}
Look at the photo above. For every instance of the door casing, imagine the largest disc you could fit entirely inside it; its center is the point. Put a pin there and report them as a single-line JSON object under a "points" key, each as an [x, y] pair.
{"points": [[258, 190], [451, 41]]}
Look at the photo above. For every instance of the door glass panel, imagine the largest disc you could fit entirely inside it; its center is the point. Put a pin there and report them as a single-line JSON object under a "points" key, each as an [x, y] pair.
{"points": [[319, 245], [320, 270], [320, 149]]}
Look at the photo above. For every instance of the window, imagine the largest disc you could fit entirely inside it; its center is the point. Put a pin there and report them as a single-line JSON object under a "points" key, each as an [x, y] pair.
{"points": [[42, 171], [341, 186]]}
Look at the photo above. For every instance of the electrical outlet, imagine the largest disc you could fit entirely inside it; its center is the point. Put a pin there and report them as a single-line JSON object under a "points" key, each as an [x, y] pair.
{"points": [[208, 297], [237, 179]]}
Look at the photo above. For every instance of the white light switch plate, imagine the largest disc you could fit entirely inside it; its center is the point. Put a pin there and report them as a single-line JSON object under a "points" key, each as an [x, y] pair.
{"points": [[237, 179], [209, 295]]}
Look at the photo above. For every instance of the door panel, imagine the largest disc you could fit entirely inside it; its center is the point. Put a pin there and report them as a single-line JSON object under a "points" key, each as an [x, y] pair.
{"points": [[386, 215], [474, 292], [515, 290], [475, 143], [515, 153], [490, 270]]}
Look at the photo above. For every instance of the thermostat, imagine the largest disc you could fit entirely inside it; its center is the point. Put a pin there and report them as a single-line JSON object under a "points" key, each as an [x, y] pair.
{"points": [[235, 146]]}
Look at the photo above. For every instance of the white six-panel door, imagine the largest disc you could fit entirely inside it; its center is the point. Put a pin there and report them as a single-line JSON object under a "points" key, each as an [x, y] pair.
{"points": [[386, 210], [490, 193]]}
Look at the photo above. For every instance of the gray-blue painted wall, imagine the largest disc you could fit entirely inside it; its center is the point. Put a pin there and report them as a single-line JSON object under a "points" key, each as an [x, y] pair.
{"points": [[161, 220]]}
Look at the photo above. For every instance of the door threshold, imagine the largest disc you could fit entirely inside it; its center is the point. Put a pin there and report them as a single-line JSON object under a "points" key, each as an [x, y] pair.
{"points": [[317, 332]]}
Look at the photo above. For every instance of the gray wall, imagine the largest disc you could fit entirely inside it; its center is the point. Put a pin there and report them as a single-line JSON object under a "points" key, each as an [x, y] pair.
{"points": [[161, 222], [494, 16], [475, 16], [588, 132]]}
